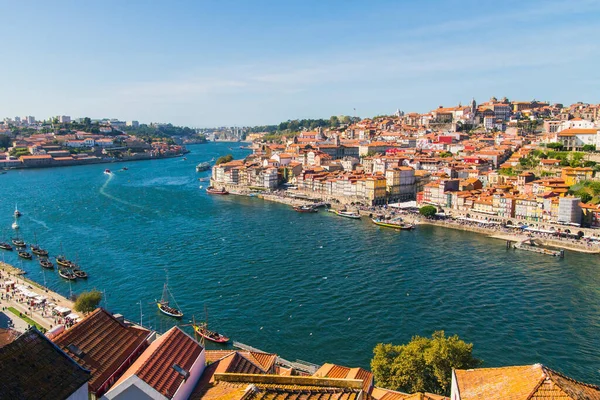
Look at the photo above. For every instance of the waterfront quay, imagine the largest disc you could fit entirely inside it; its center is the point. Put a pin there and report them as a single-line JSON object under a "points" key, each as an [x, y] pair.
{"points": [[472, 222], [32, 300]]}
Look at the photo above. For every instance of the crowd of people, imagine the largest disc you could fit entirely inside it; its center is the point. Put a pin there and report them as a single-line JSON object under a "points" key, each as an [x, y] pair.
{"points": [[21, 294]]}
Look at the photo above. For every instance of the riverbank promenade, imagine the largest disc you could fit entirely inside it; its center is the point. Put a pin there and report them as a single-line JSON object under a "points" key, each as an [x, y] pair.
{"points": [[45, 307]]}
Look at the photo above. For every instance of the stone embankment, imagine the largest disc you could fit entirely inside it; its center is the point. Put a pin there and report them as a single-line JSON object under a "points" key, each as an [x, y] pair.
{"points": [[496, 232]]}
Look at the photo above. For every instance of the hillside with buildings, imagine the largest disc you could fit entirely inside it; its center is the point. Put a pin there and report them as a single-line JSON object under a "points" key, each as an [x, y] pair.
{"points": [[500, 161]]}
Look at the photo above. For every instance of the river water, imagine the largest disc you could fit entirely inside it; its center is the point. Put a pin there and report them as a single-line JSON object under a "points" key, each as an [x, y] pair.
{"points": [[315, 287]]}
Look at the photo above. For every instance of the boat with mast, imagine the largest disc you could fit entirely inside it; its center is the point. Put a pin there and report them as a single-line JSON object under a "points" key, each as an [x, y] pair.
{"points": [[19, 243], [62, 260], [164, 305], [67, 274], [16, 241], [17, 213], [46, 263], [79, 273], [24, 254], [37, 250], [5, 246], [202, 330]]}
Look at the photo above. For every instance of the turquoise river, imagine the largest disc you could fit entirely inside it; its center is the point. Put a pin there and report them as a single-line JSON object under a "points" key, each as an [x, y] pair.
{"points": [[315, 287]]}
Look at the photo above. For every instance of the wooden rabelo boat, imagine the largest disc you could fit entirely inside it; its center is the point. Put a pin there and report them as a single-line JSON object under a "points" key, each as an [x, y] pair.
{"points": [[305, 209], [45, 263], [202, 330], [24, 254], [213, 190], [164, 306]]}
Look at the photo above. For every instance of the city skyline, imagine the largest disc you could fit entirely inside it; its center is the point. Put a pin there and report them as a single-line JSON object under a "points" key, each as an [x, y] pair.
{"points": [[208, 65]]}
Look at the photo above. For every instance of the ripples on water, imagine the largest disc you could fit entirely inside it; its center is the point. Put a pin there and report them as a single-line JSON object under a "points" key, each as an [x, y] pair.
{"points": [[314, 287]]}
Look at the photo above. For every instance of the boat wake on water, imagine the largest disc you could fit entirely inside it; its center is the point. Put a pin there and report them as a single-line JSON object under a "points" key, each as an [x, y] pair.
{"points": [[42, 223], [110, 196]]}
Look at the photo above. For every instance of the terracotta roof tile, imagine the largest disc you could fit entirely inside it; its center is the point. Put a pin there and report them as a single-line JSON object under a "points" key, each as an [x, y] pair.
{"points": [[267, 387], [32, 367], [336, 371], [528, 382], [155, 365], [105, 342]]}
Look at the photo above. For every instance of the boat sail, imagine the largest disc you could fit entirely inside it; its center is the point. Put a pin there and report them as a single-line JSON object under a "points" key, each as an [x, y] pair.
{"points": [[163, 303]]}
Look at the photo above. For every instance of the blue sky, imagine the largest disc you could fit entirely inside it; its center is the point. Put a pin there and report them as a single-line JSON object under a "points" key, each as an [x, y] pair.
{"points": [[212, 63]]}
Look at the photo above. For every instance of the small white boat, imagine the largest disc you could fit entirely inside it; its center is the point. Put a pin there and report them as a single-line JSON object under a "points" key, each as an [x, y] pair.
{"points": [[15, 225], [348, 214], [17, 213], [200, 187], [107, 171]]}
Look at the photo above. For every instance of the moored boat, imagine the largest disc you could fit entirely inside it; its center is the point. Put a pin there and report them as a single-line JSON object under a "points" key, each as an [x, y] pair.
{"points": [[24, 254], [37, 250], [81, 274], [17, 213], [393, 223], [305, 209], [63, 262], [202, 330], [45, 263], [66, 274], [163, 304], [19, 243], [5, 246], [213, 190], [107, 171], [347, 214]]}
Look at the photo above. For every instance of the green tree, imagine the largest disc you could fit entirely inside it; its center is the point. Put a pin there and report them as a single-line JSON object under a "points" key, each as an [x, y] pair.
{"points": [[423, 364], [584, 196], [507, 171], [88, 301], [334, 122], [4, 141], [428, 211], [589, 147], [224, 159], [555, 146]]}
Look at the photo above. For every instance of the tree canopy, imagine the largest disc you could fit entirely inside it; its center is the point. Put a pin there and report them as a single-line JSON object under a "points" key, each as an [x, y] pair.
{"points": [[423, 364], [88, 301], [556, 146], [224, 159], [428, 211]]}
